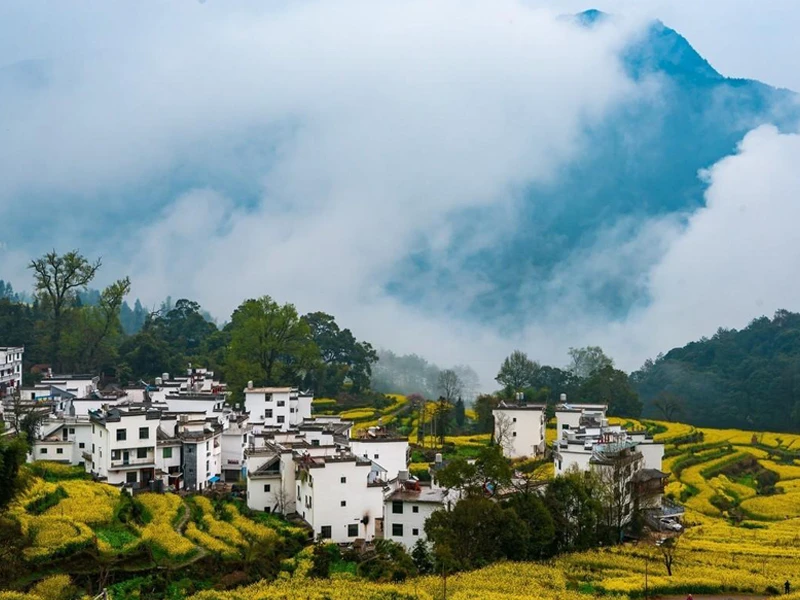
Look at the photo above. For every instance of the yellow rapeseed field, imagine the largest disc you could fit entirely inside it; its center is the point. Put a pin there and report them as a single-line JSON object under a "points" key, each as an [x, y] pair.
{"points": [[716, 553]]}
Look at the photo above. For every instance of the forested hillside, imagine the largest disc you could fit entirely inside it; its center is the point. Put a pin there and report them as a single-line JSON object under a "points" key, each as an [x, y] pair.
{"points": [[748, 379]]}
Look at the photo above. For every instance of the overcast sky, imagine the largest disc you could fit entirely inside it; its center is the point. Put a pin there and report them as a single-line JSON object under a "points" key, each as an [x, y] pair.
{"points": [[341, 136]]}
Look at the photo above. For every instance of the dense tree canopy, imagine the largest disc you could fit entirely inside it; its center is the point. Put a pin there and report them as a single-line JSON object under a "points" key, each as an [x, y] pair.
{"points": [[748, 379]]}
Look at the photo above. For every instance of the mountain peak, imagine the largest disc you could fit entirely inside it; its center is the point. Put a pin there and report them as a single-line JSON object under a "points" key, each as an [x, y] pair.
{"points": [[591, 17], [664, 49]]}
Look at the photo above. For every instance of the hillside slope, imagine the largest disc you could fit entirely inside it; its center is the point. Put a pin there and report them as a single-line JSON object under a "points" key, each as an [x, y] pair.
{"points": [[748, 378]]}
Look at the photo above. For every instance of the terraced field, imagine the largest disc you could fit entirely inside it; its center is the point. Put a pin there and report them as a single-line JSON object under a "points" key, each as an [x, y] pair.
{"points": [[743, 536]]}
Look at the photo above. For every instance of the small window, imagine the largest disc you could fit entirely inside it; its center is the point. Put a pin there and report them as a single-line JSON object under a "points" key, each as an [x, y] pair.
{"points": [[343, 503], [92, 448], [315, 442], [397, 508], [343, 480], [514, 420], [42, 450], [514, 434], [207, 446], [92, 425], [267, 487], [268, 413], [72, 430], [415, 531], [281, 403], [415, 509], [565, 426], [207, 466], [122, 435], [166, 452], [298, 491], [59, 451], [144, 433], [115, 455], [397, 530], [81, 445], [130, 477], [281, 418], [141, 453], [352, 530], [325, 532], [377, 456]]}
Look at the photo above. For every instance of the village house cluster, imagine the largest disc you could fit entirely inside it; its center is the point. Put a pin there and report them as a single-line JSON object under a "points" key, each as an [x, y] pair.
{"points": [[627, 461], [179, 433]]}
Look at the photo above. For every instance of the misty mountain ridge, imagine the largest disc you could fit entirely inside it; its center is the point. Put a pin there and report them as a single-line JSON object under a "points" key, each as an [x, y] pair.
{"points": [[642, 162]]}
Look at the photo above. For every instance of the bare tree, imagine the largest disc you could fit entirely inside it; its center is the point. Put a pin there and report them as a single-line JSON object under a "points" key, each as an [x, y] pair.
{"points": [[450, 385], [282, 499], [669, 550], [669, 405], [584, 362], [614, 494], [503, 436]]}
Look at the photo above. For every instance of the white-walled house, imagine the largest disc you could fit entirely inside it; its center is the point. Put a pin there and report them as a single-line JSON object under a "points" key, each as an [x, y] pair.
{"points": [[336, 498], [64, 439], [628, 462], [235, 431], [519, 429], [391, 453], [10, 369], [271, 479], [406, 508], [277, 407], [123, 448]]}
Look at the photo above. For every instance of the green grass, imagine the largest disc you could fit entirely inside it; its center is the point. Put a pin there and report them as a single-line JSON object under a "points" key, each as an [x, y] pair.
{"points": [[117, 537]]}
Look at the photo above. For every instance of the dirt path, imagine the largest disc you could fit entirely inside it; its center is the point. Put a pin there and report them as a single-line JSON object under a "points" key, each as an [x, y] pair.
{"points": [[184, 519]]}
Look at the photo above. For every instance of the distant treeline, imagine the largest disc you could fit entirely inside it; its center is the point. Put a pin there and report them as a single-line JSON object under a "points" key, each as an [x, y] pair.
{"points": [[748, 379]]}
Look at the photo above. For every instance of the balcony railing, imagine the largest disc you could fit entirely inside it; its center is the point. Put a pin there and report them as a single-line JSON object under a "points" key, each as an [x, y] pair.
{"points": [[133, 462]]}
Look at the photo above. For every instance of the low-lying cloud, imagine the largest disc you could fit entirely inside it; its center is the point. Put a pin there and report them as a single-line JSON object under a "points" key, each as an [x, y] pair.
{"points": [[304, 151]]}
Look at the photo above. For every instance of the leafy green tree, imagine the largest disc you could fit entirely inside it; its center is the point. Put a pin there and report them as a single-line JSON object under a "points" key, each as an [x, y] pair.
{"points": [[148, 356], [92, 333], [57, 280], [270, 345], [341, 357], [576, 512], [613, 387], [488, 472], [390, 562], [184, 328], [459, 413], [541, 530], [422, 557], [517, 371], [479, 532], [484, 405], [585, 362], [13, 451]]}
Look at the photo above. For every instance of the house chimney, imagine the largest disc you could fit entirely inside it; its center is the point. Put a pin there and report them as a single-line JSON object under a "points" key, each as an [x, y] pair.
{"points": [[250, 385], [165, 376], [563, 398]]}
